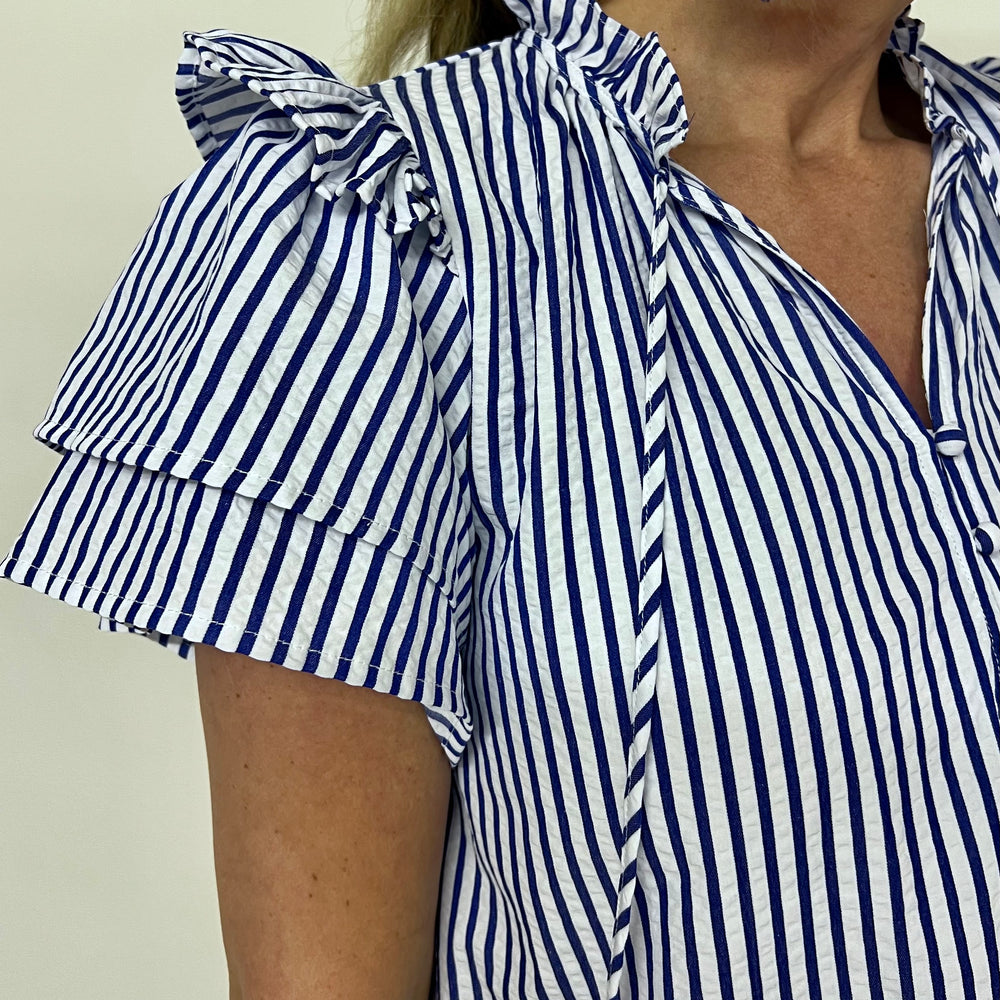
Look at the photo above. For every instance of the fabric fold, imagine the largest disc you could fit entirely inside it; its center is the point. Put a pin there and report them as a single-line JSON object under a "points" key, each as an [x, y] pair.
{"points": [[358, 145]]}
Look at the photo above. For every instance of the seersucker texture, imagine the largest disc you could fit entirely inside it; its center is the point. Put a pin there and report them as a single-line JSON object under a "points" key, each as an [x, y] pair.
{"points": [[457, 387]]}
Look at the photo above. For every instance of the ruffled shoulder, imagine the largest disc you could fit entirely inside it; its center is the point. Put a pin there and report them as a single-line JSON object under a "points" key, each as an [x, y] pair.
{"points": [[359, 146], [990, 65]]}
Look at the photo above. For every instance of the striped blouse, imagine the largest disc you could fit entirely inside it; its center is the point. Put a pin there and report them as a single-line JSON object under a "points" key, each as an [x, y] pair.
{"points": [[456, 387]]}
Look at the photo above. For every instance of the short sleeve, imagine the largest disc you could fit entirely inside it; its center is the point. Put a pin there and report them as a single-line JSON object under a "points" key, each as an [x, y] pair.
{"points": [[263, 434]]}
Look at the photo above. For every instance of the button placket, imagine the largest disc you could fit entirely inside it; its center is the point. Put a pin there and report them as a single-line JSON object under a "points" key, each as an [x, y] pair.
{"points": [[950, 441]]}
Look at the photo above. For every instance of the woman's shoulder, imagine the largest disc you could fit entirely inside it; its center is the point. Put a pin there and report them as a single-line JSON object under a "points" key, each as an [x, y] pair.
{"points": [[372, 140]]}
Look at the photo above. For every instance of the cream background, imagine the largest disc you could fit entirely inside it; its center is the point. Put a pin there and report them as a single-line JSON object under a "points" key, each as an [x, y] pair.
{"points": [[107, 883]]}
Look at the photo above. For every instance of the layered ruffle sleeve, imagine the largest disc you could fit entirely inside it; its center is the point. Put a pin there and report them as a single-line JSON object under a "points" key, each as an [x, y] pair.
{"points": [[262, 436]]}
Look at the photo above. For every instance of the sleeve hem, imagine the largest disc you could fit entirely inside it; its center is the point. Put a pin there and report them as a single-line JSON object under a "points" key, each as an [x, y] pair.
{"points": [[217, 473], [78, 593], [452, 728]]}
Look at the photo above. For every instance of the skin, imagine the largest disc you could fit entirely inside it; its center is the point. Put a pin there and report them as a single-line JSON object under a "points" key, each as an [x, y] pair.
{"points": [[798, 120], [795, 81], [329, 810]]}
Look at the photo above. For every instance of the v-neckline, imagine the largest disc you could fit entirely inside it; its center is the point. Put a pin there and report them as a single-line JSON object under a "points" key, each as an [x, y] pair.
{"points": [[701, 195]]}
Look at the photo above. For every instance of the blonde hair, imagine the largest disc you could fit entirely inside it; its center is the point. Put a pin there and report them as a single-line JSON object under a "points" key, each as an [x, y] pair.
{"points": [[402, 34]]}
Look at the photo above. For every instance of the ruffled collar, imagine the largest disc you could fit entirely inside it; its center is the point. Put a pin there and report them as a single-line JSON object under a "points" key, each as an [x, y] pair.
{"points": [[636, 72]]}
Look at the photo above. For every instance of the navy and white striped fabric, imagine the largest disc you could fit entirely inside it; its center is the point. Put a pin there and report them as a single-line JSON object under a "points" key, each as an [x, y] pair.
{"points": [[458, 388]]}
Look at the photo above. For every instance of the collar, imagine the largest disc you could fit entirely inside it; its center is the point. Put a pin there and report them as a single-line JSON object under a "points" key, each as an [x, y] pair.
{"points": [[633, 75]]}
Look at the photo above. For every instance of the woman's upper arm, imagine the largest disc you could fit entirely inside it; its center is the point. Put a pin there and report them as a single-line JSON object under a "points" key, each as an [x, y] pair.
{"points": [[329, 807]]}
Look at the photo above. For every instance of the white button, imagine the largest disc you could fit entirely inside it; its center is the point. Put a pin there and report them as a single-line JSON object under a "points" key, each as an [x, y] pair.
{"points": [[960, 133], [949, 439], [988, 537]]}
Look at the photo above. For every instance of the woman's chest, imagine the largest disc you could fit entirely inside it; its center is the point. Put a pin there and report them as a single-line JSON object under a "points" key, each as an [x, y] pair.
{"points": [[569, 357], [711, 390], [878, 274], [864, 239]]}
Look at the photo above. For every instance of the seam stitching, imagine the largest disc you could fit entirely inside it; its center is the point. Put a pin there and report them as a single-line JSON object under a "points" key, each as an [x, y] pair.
{"points": [[208, 620], [248, 477]]}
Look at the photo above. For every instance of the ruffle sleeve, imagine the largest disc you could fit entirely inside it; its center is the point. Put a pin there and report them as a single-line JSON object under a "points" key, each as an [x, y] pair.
{"points": [[990, 65], [263, 433], [357, 145]]}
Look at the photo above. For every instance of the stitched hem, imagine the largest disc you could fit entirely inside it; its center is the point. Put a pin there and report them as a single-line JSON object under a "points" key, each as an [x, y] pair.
{"points": [[16, 571], [100, 446]]}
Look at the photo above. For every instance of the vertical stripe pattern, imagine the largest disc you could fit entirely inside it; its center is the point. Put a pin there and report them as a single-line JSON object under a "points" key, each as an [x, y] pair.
{"points": [[650, 583], [460, 388]]}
